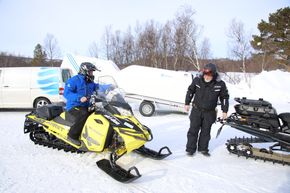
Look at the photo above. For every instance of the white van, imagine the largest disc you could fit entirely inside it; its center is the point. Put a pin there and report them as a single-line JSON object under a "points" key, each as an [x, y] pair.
{"points": [[31, 87]]}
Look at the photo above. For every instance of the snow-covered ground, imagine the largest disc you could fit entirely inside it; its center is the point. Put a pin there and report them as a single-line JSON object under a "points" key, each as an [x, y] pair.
{"points": [[28, 168]]}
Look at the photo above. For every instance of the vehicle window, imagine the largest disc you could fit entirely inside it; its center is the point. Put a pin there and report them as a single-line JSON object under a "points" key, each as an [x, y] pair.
{"points": [[66, 74]]}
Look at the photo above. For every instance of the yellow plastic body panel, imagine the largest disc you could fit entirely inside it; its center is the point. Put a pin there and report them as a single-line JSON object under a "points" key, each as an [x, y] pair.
{"points": [[52, 127], [133, 140], [95, 132]]}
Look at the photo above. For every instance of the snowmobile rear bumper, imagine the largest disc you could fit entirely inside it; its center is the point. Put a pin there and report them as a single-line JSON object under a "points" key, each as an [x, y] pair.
{"points": [[29, 125]]}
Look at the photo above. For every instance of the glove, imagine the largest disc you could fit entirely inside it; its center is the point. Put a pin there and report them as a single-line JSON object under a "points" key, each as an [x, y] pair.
{"points": [[186, 108], [225, 115]]}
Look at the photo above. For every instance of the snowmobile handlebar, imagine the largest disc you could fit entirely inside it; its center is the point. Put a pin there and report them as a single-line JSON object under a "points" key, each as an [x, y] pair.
{"points": [[221, 120], [94, 99]]}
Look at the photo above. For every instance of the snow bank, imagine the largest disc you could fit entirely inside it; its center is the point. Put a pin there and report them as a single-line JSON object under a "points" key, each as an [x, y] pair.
{"points": [[272, 86]]}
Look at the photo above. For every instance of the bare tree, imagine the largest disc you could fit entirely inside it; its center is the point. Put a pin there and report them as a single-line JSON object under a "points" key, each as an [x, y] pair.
{"points": [[179, 42], [5, 59], [107, 37], [93, 49], [137, 51], [166, 40], [204, 51], [172, 46], [116, 47], [186, 37], [148, 43], [128, 47], [239, 44], [51, 48]]}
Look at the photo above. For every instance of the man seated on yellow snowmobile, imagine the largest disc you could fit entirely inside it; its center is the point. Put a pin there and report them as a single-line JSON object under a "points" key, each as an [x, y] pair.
{"points": [[77, 91]]}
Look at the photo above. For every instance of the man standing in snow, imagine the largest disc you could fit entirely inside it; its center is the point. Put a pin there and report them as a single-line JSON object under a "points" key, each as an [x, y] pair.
{"points": [[205, 90]]}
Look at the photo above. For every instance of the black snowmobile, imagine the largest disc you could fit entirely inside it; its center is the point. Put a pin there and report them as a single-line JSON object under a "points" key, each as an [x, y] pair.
{"points": [[110, 127], [260, 119]]}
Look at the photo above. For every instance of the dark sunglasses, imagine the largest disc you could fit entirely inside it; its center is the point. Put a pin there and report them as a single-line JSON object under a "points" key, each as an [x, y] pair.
{"points": [[207, 72]]}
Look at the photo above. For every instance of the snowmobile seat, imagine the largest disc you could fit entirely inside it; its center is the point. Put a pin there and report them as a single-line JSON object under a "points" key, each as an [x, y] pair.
{"points": [[49, 111], [62, 121], [265, 112], [256, 103], [65, 119], [261, 108]]}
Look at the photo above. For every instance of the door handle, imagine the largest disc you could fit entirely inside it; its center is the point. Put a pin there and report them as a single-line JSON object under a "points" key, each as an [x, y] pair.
{"points": [[6, 86]]}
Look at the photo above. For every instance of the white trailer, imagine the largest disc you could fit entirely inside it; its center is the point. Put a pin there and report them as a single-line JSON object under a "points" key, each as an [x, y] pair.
{"points": [[154, 88]]}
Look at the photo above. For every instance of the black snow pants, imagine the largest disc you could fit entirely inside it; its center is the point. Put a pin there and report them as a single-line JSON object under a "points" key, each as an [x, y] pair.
{"points": [[198, 135], [79, 116]]}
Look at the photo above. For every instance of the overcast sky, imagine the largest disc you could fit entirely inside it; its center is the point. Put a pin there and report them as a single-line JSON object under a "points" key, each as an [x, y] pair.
{"points": [[76, 24]]}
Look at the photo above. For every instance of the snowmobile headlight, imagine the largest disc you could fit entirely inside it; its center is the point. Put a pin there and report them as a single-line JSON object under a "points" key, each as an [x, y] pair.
{"points": [[124, 112]]}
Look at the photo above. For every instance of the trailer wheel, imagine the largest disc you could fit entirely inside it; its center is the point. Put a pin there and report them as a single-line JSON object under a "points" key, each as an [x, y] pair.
{"points": [[147, 108], [39, 102]]}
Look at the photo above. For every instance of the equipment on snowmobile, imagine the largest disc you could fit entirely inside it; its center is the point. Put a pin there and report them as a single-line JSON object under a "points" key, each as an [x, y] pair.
{"points": [[260, 119], [111, 126]]}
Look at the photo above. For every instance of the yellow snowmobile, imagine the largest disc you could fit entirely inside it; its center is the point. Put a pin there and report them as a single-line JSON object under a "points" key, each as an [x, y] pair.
{"points": [[111, 126]]}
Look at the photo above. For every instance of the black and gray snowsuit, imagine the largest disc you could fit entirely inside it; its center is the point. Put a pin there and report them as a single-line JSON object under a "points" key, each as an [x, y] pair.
{"points": [[203, 113]]}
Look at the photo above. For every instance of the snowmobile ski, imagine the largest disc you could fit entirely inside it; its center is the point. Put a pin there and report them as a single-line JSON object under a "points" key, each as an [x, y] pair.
{"points": [[146, 152], [116, 171]]}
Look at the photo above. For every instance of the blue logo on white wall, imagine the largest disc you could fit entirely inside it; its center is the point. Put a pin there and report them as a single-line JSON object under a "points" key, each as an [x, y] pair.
{"points": [[48, 81]]}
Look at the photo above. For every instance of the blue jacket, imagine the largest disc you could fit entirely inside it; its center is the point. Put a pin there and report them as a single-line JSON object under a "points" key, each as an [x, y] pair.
{"points": [[76, 87]]}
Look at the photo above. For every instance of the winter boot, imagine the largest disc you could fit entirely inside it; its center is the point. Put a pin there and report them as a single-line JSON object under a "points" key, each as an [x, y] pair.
{"points": [[190, 153], [205, 153]]}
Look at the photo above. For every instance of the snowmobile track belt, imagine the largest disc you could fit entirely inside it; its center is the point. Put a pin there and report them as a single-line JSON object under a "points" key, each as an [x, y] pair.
{"points": [[242, 147]]}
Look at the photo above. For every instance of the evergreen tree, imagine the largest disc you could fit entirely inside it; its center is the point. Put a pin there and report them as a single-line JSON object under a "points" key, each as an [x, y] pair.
{"points": [[39, 56], [274, 38]]}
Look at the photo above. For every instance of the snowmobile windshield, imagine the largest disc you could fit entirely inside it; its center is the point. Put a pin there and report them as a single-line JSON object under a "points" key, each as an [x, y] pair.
{"points": [[116, 102]]}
